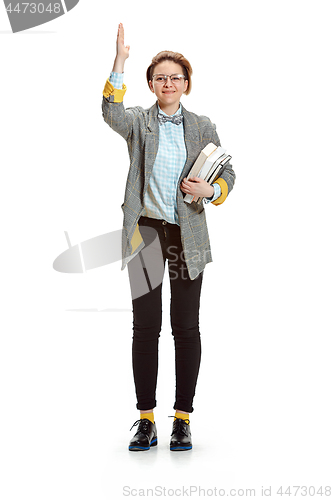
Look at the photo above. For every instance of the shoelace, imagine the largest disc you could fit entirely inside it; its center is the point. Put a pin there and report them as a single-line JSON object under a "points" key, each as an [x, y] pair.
{"points": [[178, 425], [143, 425]]}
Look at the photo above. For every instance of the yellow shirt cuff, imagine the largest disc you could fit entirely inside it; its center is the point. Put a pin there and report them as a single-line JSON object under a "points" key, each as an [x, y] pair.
{"points": [[224, 192], [118, 94]]}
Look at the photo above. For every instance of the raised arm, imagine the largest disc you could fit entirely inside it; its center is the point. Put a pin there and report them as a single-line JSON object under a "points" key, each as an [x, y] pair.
{"points": [[122, 51], [114, 113]]}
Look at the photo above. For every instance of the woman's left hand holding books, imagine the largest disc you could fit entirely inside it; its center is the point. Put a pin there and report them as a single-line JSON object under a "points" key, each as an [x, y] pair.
{"points": [[197, 187]]}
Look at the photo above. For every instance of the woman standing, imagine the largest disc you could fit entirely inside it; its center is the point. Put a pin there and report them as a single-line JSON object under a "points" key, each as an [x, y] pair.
{"points": [[163, 143]]}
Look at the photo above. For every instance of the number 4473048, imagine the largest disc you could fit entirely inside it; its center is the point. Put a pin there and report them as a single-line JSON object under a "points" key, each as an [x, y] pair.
{"points": [[33, 8]]}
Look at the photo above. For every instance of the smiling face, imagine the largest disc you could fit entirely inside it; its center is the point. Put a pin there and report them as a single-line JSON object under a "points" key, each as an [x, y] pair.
{"points": [[168, 94]]}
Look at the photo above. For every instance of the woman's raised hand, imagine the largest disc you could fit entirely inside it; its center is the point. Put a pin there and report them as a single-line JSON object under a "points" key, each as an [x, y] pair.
{"points": [[122, 50]]}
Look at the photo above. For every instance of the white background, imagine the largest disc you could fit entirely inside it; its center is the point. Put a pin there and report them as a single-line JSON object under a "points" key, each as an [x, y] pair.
{"points": [[263, 406]]}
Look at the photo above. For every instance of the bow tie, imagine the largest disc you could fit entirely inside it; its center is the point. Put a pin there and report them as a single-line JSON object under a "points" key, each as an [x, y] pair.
{"points": [[177, 119]]}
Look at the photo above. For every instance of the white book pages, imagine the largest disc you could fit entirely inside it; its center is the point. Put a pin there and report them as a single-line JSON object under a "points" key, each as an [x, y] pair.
{"points": [[210, 161]]}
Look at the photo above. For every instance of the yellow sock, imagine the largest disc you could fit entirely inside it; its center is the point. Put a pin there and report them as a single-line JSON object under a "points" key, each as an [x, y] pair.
{"points": [[184, 416], [150, 416]]}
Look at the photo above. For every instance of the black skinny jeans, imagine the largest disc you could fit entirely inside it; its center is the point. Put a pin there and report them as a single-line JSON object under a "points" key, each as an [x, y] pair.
{"points": [[147, 322]]}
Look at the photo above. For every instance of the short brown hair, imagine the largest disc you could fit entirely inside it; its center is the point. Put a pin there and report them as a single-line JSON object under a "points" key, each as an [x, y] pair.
{"points": [[167, 55]]}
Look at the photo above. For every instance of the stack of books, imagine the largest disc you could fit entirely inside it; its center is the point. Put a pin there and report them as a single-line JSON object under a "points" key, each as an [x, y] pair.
{"points": [[208, 166]]}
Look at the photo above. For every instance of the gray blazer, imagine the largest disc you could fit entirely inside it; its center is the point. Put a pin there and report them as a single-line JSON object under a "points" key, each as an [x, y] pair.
{"points": [[140, 128]]}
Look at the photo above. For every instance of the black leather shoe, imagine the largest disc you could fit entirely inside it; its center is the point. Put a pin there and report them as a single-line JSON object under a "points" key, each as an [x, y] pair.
{"points": [[181, 435], [145, 436]]}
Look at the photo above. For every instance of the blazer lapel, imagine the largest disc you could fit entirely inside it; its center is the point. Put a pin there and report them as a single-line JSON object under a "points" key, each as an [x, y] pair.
{"points": [[151, 142], [192, 141], [192, 144]]}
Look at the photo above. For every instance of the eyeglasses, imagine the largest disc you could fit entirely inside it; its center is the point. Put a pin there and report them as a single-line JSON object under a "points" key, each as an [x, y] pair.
{"points": [[162, 79]]}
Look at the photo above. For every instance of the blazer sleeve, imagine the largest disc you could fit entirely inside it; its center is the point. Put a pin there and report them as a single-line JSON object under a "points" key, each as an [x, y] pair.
{"points": [[227, 179], [121, 120]]}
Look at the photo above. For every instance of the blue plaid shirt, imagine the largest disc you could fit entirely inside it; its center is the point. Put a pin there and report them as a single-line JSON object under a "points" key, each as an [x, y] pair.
{"points": [[160, 201]]}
